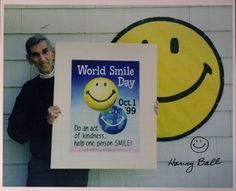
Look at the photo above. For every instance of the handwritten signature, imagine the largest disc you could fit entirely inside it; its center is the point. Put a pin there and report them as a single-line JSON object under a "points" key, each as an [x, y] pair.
{"points": [[190, 164]]}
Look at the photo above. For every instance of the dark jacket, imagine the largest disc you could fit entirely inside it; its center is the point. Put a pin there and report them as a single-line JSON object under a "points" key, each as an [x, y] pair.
{"points": [[28, 120]]}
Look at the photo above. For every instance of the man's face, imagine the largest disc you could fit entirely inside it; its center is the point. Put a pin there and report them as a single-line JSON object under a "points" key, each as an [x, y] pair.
{"points": [[42, 57]]}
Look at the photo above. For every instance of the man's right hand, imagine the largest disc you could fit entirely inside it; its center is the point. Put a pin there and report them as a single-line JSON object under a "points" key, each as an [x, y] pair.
{"points": [[53, 113]]}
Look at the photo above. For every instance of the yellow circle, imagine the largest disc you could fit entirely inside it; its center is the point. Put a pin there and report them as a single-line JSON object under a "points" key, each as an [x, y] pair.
{"points": [[189, 73], [100, 93]]}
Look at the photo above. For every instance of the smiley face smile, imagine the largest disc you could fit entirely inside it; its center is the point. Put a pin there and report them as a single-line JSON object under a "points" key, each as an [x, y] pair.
{"points": [[199, 147], [206, 70], [113, 92]]}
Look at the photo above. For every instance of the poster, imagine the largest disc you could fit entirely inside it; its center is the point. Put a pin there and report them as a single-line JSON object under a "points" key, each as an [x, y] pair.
{"points": [[105, 105], [107, 94]]}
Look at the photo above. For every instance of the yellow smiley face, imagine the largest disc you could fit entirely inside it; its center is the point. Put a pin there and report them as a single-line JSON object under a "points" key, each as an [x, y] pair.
{"points": [[100, 93], [189, 73]]}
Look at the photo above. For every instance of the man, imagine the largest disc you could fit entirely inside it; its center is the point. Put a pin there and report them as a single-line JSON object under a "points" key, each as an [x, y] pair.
{"points": [[32, 118]]}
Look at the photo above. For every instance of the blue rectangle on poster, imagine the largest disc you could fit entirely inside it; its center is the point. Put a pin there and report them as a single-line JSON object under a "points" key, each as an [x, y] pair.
{"points": [[105, 105]]}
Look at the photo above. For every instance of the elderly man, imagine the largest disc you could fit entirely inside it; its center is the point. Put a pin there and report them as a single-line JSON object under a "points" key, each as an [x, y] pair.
{"points": [[32, 118]]}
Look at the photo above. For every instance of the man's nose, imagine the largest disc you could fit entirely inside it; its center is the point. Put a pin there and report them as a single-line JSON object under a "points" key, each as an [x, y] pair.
{"points": [[42, 57]]}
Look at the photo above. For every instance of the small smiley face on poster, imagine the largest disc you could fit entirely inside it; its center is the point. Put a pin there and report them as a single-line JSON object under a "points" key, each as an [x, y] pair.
{"points": [[100, 93]]}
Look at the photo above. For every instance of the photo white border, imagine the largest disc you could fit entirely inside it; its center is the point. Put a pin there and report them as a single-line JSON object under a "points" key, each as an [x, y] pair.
{"points": [[122, 2]]}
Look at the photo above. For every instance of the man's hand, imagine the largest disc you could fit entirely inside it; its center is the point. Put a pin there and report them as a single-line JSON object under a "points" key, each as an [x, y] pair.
{"points": [[156, 107], [53, 113]]}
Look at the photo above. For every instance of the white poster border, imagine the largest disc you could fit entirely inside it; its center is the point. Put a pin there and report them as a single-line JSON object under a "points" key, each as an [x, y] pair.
{"points": [[61, 155]]}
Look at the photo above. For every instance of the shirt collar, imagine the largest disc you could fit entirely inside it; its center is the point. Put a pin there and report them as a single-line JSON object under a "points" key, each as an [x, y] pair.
{"points": [[47, 76]]}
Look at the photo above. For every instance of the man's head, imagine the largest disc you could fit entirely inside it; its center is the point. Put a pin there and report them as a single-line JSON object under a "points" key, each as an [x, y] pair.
{"points": [[40, 53]]}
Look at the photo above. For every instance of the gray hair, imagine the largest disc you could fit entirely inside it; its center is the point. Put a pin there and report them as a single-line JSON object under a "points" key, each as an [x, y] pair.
{"points": [[34, 40]]}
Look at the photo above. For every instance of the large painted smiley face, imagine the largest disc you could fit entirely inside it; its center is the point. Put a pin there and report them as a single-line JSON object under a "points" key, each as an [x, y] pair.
{"points": [[189, 73], [199, 144], [100, 93]]}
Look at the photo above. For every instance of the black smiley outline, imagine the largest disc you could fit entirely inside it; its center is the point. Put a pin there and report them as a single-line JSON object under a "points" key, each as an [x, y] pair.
{"points": [[209, 42], [192, 144]]}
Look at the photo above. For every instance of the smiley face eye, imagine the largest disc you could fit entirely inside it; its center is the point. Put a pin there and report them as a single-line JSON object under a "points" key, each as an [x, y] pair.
{"points": [[96, 84], [144, 41], [174, 45], [105, 84]]}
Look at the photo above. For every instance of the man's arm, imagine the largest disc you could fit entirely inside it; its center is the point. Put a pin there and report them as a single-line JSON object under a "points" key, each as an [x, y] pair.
{"points": [[18, 128]]}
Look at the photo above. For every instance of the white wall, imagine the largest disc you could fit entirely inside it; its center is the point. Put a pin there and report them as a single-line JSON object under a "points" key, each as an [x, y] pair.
{"points": [[101, 24]]}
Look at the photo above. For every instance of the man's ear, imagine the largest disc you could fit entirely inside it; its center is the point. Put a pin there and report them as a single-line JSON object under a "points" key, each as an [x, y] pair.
{"points": [[29, 59], [54, 52]]}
